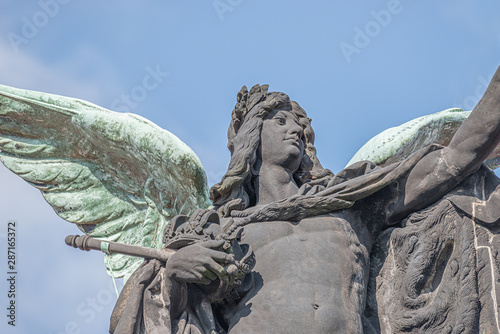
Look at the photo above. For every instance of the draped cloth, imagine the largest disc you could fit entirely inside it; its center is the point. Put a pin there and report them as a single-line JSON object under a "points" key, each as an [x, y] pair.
{"points": [[439, 272], [144, 306]]}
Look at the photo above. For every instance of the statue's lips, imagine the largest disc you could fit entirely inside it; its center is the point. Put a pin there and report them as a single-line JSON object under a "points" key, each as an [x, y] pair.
{"points": [[293, 141]]}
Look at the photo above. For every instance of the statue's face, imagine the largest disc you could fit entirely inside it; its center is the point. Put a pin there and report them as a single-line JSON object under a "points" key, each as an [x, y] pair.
{"points": [[281, 140]]}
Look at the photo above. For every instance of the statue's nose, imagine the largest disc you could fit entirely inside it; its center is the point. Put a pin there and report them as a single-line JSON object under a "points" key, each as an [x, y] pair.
{"points": [[295, 129]]}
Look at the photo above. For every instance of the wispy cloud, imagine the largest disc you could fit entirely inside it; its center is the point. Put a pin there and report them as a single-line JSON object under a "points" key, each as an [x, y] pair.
{"points": [[25, 71]]}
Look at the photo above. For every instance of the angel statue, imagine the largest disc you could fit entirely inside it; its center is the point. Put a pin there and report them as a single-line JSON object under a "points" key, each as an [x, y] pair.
{"points": [[406, 243]]}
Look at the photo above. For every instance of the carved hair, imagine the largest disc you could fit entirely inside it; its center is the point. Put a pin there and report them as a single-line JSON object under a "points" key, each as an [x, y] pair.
{"points": [[235, 191]]}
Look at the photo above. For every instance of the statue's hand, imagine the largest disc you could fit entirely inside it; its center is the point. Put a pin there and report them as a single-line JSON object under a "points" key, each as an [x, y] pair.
{"points": [[199, 263]]}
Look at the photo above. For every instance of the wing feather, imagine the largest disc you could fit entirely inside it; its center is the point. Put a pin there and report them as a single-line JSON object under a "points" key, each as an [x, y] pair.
{"points": [[117, 176], [397, 143]]}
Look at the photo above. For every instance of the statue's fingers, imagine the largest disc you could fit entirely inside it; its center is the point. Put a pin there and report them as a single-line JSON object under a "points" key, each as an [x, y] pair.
{"points": [[220, 257], [205, 280], [197, 277], [210, 275], [212, 244], [217, 269]]}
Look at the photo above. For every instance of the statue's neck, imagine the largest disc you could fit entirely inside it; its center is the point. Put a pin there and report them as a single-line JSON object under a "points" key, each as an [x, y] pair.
{"points": [[274, 183]]}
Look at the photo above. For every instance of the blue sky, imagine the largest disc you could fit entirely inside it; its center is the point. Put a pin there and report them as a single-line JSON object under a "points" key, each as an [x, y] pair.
{"points": [[356, 67]]}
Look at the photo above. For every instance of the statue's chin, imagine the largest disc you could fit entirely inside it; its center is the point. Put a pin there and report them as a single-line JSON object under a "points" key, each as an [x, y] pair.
{"points": [[292, 163]]}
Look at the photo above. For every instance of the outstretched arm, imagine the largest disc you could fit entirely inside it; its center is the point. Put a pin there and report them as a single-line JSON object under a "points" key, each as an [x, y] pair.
{"points": [[440, 171]]}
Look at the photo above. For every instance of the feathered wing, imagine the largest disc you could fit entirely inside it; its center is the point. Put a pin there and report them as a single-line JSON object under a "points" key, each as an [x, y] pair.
{"points": [[119, 177], [398, 143]]}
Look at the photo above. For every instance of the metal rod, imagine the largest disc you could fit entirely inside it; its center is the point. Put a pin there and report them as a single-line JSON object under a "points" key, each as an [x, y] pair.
{"points": [[87, 243]]}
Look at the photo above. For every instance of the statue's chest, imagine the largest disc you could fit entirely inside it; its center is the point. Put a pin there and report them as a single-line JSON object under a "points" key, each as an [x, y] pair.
{"points": [[319, 244], [328, 230]]}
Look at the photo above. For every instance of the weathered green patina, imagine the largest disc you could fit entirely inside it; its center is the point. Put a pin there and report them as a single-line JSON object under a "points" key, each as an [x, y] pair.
{"points": [[397, 143], [119, 177]]}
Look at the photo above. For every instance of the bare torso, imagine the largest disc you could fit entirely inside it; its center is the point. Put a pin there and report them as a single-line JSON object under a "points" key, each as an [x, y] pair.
{"points": [[310, 277]]}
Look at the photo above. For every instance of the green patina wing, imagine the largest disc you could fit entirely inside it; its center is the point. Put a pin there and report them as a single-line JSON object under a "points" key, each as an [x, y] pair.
{"points": [[119, 177], [398, 143]]}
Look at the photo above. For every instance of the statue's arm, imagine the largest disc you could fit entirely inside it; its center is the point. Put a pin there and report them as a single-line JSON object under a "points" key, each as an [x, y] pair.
{"points": [[440, 171]]}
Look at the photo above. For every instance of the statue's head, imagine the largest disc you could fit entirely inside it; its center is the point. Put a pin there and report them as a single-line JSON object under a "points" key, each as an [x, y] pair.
{"points": [[236, 190]]}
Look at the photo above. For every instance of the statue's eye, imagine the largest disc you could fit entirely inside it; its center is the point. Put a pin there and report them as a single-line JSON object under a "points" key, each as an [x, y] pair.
{"points": [[281, 121]]}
